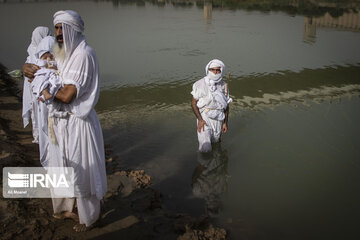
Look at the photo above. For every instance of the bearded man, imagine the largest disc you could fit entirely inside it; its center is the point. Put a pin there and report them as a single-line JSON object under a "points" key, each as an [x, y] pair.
{"points": [[210, 105], [78, 139]]}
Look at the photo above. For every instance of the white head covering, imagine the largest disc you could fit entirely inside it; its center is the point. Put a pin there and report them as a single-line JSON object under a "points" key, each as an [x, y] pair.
{"points": [[37, 35], [71, 18], [73, 26], [212, 79], [80, 67], [46, 45], [213, 64]]}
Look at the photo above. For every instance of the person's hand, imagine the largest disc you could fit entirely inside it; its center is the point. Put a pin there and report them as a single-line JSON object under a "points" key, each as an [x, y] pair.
{"points": [[29, 70], [224, 128], [201, 125]]}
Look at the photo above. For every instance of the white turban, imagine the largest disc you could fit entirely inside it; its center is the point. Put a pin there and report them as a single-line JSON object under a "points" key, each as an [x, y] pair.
{"points": [[72, 28], [213, 64], [70, 18], [46, 45], [212, 79]]}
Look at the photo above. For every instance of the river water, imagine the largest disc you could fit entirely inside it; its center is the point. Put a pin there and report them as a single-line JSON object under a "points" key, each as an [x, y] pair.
{"points": [[289, 166]]}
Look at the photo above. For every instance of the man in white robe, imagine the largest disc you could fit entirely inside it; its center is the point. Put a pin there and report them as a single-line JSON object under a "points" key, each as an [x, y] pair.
{"points": [[79, 140], [29, 102], [78, 135], [210, 105]]}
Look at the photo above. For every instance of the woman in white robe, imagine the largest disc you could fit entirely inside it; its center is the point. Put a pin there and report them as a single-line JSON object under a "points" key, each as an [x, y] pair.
{"points": [[28, 101]]}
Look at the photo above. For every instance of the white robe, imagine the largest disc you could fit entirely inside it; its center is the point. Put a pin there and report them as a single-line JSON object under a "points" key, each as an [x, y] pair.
{"points": [[212, 105], [44, 78], [28, 102], [41, 79], [79, 140]]}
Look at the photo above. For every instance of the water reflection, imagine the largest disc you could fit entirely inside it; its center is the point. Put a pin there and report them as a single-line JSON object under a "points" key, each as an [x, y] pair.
{"points": [[182, 3], [209, 179], [207, 11], [346, 22], [160, 2]]}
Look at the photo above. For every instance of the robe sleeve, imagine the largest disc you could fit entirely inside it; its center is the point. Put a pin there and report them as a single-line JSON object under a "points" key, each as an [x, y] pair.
{"points": [[79, 74], [83, 74], [196, 91]]}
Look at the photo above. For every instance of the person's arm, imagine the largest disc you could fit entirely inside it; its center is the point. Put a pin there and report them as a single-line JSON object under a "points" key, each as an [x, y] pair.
{"points": [[225, 123], [66, 94], [201, 121], [29, 70]]}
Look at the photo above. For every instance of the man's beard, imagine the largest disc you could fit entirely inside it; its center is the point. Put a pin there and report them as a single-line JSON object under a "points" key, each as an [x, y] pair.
{"points": [[59, 52]]}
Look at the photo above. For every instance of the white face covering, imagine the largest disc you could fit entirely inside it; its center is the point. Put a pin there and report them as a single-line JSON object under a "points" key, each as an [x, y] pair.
{"points": [[214, 77], [72, 28], [211, 78]]}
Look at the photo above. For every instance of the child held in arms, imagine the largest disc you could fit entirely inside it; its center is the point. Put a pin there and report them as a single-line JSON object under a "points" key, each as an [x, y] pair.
{"points": [[44, 87], [46, 81]]}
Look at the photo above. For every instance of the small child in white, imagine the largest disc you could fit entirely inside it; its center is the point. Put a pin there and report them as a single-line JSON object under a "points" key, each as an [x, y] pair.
{"points": [[46, 82], [44, 87]]}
